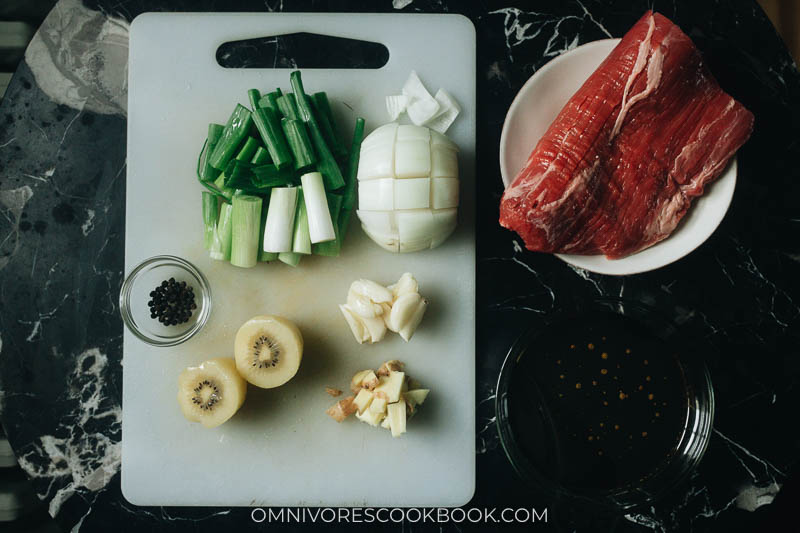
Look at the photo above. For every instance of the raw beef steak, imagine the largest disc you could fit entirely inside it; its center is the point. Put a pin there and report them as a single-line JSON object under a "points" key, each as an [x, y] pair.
{"points": [[619, 166]]}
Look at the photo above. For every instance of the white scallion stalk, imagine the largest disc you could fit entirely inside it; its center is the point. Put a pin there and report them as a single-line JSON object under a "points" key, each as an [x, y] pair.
{"points": [[246, 222], [221, 245], [279, 226], [301, 241], [320, 226]]}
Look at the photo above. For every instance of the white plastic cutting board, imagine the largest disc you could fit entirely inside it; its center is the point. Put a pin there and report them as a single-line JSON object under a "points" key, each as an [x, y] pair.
{"points": [[281, 449]]}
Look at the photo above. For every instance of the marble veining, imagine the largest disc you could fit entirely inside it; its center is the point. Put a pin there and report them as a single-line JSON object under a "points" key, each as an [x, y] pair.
{"points": [[79, 58], [84, 454], [62, 176]]}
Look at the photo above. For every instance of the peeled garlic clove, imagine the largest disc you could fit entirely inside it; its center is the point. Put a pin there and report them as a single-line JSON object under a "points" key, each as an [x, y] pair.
{"points": [[387, 310], [363, 306], [356, 324], [407, 331], [403, 310], [373, 291], [376, 328], [406, 284]]}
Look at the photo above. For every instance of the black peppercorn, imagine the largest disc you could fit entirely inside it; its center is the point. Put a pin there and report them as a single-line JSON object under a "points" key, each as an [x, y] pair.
{"points": [[172, 302]]}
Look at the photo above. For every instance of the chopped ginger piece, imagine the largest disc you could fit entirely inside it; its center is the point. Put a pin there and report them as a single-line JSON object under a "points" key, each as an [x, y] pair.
{"points": [[342, 409]]}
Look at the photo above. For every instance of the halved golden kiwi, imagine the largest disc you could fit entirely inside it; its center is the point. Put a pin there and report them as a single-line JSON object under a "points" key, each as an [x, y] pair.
{"points": [[212, 392], [268, 350]]}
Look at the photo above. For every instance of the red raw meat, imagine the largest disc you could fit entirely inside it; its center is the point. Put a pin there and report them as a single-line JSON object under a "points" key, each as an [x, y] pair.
{"points": [[619, 166]]}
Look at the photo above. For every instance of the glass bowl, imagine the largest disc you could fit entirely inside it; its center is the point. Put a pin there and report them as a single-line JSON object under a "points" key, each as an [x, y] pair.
{"points": [[135, 294], [578, 397]]}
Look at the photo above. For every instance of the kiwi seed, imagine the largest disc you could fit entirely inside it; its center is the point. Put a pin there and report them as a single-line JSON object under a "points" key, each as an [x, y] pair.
{"points": [[266, 343], [213, 399]]}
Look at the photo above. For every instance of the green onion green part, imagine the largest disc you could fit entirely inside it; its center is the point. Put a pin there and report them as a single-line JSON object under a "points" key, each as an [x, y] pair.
{"points": [[205, 172], [325, 115], [326, 164], [254, 179], [351, 180], [299, 143], [254, 96], [248, 150], [235, 131], [288, 106], [270, 129], [351, 174], [261, 156]]}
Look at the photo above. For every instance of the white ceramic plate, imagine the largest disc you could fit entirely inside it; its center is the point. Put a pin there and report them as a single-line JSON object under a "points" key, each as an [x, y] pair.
{"points": [[533, 110]]}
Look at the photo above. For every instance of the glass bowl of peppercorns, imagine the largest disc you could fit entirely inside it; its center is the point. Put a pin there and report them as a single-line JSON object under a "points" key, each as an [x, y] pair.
{"points": [[165, 300]]}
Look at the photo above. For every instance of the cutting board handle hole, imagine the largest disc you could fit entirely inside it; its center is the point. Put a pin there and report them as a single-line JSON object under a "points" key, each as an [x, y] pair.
{"points": [[302, 50]]}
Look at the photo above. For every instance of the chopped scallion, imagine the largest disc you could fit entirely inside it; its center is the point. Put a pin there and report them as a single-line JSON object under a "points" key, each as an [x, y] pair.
{"points": [[246, 217]]}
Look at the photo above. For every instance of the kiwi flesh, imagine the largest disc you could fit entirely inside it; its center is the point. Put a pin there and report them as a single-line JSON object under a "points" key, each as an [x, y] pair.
{"points": [[268, 350], [211, 392]]}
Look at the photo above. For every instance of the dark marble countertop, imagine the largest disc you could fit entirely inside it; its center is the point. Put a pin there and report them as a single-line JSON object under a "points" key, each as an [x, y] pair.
{"points": [[62, 177]]}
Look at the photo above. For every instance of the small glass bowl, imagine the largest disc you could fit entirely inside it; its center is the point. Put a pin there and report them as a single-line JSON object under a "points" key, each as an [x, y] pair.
{"points": [[694, 434], [135, 294]]}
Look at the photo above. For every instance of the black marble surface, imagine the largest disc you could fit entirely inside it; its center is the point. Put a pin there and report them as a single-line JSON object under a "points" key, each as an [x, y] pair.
{"points": [[62, 176]]}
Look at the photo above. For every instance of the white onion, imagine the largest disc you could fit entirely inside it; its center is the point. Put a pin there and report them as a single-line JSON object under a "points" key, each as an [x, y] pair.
{"points": [[448, 111], [408, 187], [422, 107]]}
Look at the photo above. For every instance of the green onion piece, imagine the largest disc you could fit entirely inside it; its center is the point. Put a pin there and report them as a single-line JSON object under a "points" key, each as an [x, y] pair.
{"points": [[210, 214], [331, 248], [245, 154], [342, 224], [235, 131], [277, 92], [290, 258], [320, 224], [299, 143], [225, 192], [301, 241], [246, 218], [322, 107], [326, 164], [270, 101], [262, 255], [254, 95], [248, 150], [351, 180], [272, 98], [279, 228], [271, 133], [205, 172], [221, 245], [254, 179], [261, 156], [288, 106], [212, 187], [253, 131]]}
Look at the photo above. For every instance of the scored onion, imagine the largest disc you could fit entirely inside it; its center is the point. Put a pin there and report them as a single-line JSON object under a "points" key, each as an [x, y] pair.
{"points": [[408, 187]]}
